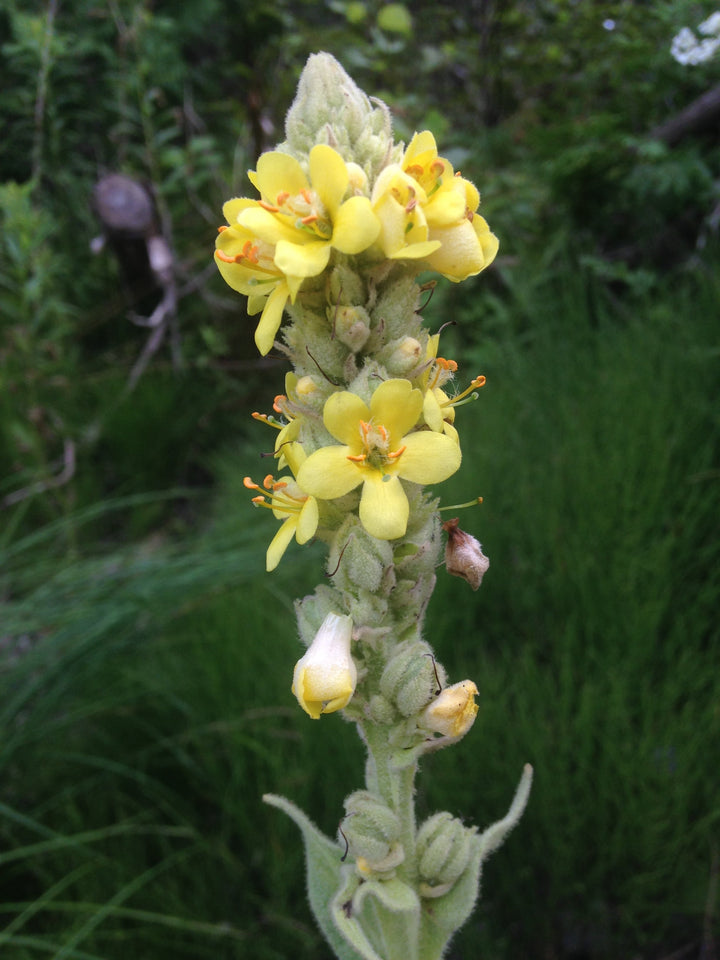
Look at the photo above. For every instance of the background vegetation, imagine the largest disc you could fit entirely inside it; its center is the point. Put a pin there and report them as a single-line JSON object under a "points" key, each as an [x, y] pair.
{"points": [[144, 655]]}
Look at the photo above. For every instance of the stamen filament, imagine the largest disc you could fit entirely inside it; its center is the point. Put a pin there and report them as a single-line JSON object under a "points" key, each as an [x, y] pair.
{"points": [[269, 420], [461, 506]]}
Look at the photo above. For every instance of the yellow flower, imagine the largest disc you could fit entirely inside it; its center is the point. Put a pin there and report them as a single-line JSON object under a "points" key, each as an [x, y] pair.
{"points": [[297, 510], [438, 407], [324, 679], [427, 212], [378, 447], [305, 219], [453, 711], [247, 264]]}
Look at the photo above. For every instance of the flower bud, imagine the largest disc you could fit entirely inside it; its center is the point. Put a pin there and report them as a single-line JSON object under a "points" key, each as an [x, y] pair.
{"points": [[402, 356], [463, 555], [358, 180], [444, 847], [372, 830], [453, 711], [412, 677], [351, 326], [324, 679], [305, 387]]}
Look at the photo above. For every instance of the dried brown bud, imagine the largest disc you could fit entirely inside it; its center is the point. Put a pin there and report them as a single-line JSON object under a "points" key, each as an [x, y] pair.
{"points": [[463, 555]]}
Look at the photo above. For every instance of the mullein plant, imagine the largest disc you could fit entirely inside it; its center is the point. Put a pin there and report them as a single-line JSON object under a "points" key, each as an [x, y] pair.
{"points": [[345, 222]]}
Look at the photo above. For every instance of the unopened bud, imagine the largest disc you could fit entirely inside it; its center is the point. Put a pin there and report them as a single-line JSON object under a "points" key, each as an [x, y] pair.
{"points": [[351, 325], [305, 387], [402, 356], [358, 180], [463, 555], [372, 830], [412, 677], [444, 847]]}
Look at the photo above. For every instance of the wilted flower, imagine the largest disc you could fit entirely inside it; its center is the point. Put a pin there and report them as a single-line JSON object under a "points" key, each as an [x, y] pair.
{"points": [[453, 711], [463, 555]]}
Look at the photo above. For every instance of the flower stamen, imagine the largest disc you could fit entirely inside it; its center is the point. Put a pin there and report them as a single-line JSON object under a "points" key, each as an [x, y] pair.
{"points": [[269, 420], [278, 497], [463, 398]]}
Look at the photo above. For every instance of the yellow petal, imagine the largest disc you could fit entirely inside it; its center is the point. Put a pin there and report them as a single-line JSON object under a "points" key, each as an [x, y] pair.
{"points": [[278, 173], [271, 318], [446, 206], [327, 473], [428, 457], [279, 543], [461, 253], [397, 406], [302, 260], [355, 227], [266, 225], [232, 208], [256, 303], [432, 414], [329, 177], [342, 414], [421, 143], [450, 431], [308, 522], [384, 507]]}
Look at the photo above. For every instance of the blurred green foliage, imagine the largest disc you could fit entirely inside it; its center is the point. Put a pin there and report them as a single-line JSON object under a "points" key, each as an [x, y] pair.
{"points": [[141, 715]]}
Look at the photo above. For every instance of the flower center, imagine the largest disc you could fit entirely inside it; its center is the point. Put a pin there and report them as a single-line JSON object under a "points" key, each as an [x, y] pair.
{"points": [[303, 211], [256, 255], [376, 453], [428, 175]]}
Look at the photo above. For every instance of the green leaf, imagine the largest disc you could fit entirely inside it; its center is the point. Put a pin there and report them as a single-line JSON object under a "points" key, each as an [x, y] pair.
{"points": [[379, 913], [324, 877]]}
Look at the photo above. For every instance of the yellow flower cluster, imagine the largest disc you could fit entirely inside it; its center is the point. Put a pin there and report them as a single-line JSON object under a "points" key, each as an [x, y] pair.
{"points": [[418, 209], [378, 445]]}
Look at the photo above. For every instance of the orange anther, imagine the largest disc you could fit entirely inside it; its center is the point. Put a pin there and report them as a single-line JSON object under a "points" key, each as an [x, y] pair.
{"points": [[247, 482], [250, 251], [479, 381], [439, 166], [311, 218], [268, 481], [282, 197], [267, 206], [222, 228], [360, 458], [221, 255], [397, 453], [306, 196]]}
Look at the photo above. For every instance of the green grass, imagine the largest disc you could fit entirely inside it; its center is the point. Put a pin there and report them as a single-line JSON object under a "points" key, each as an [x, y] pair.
{"points": [[152, 708], [594, 639]]}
